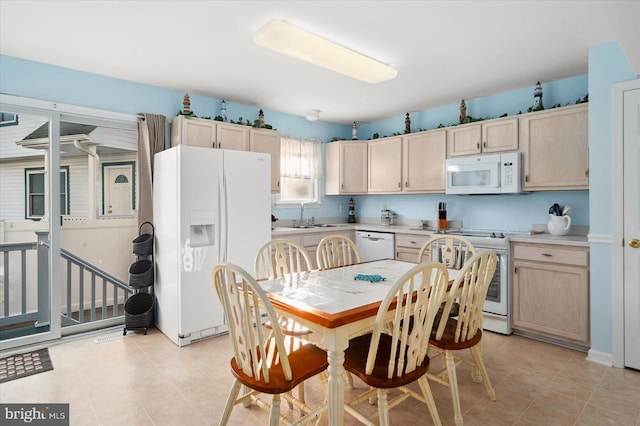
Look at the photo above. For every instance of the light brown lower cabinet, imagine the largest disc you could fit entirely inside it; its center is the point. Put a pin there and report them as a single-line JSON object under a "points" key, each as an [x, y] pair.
{"points": [[551, 292], [311, 240], [408, 246]]}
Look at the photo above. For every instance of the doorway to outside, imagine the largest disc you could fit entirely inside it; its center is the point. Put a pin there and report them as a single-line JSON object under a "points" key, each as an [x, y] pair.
{"points": [[626, 225], [119, 189]]}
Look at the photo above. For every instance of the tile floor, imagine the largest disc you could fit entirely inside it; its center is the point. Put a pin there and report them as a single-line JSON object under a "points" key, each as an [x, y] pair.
{"points": [[147, 380]]}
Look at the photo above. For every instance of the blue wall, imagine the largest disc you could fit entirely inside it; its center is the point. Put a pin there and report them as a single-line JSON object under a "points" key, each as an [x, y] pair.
{"points": [[502, 212], [607, 66], [36, 80], [512, 212]]}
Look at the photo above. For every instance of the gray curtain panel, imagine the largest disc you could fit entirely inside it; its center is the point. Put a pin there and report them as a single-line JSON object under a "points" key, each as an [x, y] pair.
{"points": [[151, 139]]}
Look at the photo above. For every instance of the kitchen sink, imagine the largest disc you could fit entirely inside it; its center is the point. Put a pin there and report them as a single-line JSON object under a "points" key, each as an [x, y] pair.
{"points": [[318, 225]]}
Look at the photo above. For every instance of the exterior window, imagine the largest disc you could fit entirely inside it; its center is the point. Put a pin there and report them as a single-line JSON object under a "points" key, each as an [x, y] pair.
{"points": [[8, 119], [35, 200], [300, 170]]}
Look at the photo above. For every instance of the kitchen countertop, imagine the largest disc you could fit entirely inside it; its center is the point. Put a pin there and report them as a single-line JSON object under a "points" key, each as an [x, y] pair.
{"points": [[568, 240], [536, 238]]}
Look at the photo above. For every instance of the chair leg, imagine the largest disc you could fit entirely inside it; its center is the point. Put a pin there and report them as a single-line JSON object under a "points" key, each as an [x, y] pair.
{"points": [[349, 378], [383, 407], [431, 403], [453, 385], [274, 417], [246, 403], [477, 356], [233, 394], [301, 392]]}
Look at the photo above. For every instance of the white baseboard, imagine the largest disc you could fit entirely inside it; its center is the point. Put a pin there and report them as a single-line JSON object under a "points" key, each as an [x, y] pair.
{"points": [[600, 357]]}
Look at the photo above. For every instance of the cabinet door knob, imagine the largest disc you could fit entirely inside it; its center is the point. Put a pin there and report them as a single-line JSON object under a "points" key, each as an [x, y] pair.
{"points": [[586, 173], [635, 243], [547, 254], [399, 184], [478, 145], [484, 144], [406, 184]]}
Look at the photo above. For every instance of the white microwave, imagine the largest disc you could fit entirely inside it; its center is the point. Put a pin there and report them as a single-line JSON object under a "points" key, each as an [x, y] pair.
{"points": [[484, 174]]}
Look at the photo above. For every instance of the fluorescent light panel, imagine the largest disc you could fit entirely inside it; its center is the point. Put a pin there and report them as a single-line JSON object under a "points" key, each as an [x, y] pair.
{"points": [[298, 43]]}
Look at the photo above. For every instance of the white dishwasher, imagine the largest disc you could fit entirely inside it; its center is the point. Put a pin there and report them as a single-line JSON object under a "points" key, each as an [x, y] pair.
{"points": [[375, 245]]}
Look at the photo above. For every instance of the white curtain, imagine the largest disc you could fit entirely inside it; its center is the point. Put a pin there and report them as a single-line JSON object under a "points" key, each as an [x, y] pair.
{"points": [[151, 139], [300, 158]]}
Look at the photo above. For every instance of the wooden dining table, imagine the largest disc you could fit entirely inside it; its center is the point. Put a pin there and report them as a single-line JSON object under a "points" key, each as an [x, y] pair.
{"points": [[338, 307]]}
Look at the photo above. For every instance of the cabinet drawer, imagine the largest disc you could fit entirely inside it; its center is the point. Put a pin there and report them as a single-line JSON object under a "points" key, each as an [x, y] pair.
{"points": [[411, 240], [312, 240], [291, 237], [542, 253]]}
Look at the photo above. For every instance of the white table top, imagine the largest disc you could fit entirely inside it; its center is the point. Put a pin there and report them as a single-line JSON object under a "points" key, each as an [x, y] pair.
{"points": [[334, 293]]}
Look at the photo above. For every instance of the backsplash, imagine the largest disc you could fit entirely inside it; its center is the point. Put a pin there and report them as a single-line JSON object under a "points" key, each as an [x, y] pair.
{"points": [[500, 212]]}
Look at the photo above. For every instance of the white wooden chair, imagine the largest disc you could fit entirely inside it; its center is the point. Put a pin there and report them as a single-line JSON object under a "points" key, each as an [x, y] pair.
{"points": [[334, 251], [454, 333], [337, 250], [272, 365], [278, 258], [452, 250], [394, 359]]}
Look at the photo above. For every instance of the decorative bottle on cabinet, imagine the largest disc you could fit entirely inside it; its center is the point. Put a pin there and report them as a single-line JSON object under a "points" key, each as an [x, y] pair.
{"points": [[352, 211]]}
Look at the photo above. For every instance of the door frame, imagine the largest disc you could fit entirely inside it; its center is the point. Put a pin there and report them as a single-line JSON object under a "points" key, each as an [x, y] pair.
{"points": [[617, 260], [55, 112], [106, 184]]}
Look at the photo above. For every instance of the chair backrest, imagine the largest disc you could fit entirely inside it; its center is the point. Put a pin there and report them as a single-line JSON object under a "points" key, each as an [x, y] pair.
{"points": [[244, 302], [419, 292], [452, 250], [281, 257], [469, 290], [337, 250]]}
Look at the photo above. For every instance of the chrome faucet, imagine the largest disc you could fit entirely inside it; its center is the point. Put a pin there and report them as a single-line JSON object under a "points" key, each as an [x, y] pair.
{"points": [[302, 213]]}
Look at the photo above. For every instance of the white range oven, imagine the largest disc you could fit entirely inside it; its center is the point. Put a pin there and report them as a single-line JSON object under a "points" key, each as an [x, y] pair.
{"points": [[497, 307]]}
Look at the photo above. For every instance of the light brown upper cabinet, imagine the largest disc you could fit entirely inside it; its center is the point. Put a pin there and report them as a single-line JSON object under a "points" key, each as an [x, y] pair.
{"points": [[411, 163], [268, 141], [500, 134], [209, 134], [193, 132], [555, 146], [232, 136], [346, 168], [423, 161], [385, 165]]}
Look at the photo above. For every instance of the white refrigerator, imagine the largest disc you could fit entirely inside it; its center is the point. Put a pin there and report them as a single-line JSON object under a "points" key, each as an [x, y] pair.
{"points": [[209, 206]]}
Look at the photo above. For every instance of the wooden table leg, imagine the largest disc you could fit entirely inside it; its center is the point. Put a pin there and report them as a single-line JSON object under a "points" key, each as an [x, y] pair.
{"points": [[335, 388]]}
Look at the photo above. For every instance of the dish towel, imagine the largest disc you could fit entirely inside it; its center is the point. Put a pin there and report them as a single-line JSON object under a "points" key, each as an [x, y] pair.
{"points": [[370, 278]]}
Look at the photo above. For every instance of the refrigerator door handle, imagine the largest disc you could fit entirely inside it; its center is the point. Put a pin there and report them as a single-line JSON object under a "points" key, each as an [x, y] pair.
{"points": [[224, 222], [222, 255]]}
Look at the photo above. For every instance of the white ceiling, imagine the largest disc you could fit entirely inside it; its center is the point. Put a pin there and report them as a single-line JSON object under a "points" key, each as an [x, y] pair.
{"points": [[444, 51]]}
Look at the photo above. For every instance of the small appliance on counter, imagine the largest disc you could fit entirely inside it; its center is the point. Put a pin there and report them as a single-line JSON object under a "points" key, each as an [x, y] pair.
{"points": [[387, 217], [559, 221], [442, 216]]}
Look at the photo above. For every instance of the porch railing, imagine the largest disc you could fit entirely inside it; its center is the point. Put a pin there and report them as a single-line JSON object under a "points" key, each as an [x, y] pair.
{"points": [[106, 292]]}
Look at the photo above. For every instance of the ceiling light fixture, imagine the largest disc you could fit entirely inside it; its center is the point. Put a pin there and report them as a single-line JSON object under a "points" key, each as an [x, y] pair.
{"points": [[293, 41], [312, 115]]}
